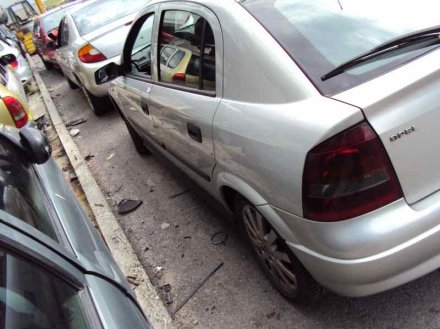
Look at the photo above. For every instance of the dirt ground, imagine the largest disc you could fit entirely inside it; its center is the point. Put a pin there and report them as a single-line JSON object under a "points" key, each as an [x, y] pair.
{"points": [[171, 233]]}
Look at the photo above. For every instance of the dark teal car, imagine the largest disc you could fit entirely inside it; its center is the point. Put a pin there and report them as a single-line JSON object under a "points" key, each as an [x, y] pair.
{"points": [[55, 271]]}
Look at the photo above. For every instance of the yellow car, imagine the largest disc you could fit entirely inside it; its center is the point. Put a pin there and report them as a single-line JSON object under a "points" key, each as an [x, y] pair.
{"points": [[13, 110], [181, 65]]}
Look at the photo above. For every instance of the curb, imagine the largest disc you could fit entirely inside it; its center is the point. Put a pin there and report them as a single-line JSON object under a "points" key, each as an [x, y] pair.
{"points": [[113, 235]]}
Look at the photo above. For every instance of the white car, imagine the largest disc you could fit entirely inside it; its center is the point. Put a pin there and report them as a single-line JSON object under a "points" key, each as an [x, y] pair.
{"points": [[13, 57], [91, 38]]}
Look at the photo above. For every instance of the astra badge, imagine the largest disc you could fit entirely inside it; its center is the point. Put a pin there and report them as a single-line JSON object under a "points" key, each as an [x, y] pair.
{"points": [[402, 133]]}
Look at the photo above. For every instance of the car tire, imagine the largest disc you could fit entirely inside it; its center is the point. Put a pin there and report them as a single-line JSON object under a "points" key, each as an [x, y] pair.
{"points": [[71, 84], [137, 140], [281, 266], [47, 65], [99, 105]]}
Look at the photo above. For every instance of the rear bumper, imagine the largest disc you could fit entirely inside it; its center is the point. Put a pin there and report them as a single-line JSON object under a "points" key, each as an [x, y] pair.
{"points": [[86, 73], [369, 254]]}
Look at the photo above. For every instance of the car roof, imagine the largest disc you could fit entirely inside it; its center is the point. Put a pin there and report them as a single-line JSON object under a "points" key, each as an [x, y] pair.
{"points": [[63, 6]]}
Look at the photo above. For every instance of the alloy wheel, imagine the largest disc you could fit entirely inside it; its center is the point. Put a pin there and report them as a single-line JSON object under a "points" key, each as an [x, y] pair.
{"points": [[270, 249]]}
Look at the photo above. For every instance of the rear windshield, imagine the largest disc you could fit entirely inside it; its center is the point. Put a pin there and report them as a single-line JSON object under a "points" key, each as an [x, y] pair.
{"points": [[103, 12], [322, 34], [52, 21]]}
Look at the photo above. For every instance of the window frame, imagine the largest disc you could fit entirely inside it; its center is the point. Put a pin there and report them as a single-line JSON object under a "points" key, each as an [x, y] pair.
{"points": [[157, 9], [129, 44], [171, 85], [27, 250]]}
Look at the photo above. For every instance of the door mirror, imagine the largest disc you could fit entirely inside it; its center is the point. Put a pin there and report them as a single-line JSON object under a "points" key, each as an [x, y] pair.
{"points": [[107, 73], [35, 144]]}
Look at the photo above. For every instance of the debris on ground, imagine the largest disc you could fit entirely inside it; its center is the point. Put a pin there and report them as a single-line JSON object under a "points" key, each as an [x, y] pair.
{"points": [[73, 177], [89, 157], [187, 237], [164, 226], [126, 205], [194, 291], [167, 292], [133, 280], [40, 122], [178, 194], [110, 156], [219, 238], [75, 122], [74, 132], [157, 270]]}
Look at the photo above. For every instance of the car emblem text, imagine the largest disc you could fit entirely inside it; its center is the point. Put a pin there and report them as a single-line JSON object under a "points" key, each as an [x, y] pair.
{"points": [[402, 133]]}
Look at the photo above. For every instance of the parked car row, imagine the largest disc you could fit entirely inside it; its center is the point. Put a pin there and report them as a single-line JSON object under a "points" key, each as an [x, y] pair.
{"points": [[55, 271], [314, 122]]}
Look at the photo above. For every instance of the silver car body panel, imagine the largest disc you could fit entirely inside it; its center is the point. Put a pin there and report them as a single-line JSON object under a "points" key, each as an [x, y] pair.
{"points": [[394, 102], [268, 118]]}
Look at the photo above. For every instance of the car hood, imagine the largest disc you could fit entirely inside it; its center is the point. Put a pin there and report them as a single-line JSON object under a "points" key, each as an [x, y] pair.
{"points": [[110, 38]]}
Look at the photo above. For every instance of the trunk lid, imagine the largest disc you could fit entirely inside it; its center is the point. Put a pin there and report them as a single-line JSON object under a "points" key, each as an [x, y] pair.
{"points": [[110, 38], [403, 107]]}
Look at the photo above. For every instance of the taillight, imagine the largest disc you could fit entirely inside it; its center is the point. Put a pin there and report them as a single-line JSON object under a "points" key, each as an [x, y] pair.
{"points": [[14, 64], [17, 111], [89, 54], [179, 77], [348, 175]]}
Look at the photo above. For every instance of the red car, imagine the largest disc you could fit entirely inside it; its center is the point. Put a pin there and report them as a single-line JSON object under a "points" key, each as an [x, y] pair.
{"points": [[48, 23]]}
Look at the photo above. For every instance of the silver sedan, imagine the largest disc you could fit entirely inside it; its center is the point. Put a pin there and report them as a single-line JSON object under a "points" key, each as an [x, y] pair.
{"points": [[91, 37], [315, 122]]}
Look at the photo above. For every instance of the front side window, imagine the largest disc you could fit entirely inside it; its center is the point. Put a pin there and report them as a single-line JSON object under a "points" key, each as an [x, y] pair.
{"points": [[141, 52], [186, 40], [20, 193], [31, 297]]}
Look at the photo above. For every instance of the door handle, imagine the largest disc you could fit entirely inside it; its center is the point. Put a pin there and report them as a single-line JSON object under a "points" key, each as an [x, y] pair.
{"points": [[194, 132], [144, 107]]}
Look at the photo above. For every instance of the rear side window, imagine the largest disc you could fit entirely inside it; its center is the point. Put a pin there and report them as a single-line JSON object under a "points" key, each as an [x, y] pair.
{"points": [[31, 297], [186, 40], [20, 193]]}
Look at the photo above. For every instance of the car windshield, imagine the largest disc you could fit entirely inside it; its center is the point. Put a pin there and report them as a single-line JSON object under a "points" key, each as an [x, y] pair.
{"points": [[101, 13], [321, 34], [52, 21]]}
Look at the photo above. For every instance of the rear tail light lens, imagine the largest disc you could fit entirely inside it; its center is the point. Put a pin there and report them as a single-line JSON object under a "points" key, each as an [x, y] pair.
{"points": [[17, 111], [179, 77], [89, 54], [348, 175], [14, 64]]}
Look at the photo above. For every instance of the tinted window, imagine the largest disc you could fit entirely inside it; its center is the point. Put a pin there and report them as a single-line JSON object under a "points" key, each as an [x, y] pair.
{"points": [[320, 35], [31, 297], [141, 52], [186, 39], [101, 13], [20, 193]]}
